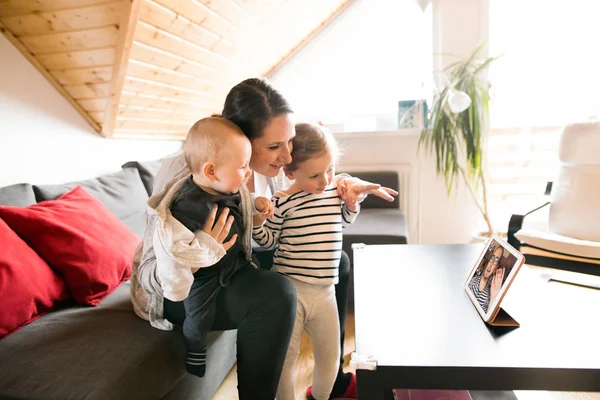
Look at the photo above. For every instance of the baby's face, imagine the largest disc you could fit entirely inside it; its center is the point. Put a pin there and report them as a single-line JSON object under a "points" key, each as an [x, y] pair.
{"points": [[233, 169], [315, 174]]}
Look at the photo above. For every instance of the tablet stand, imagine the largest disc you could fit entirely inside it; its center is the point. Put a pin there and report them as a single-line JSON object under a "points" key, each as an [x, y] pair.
{"points": [[502, 318]]}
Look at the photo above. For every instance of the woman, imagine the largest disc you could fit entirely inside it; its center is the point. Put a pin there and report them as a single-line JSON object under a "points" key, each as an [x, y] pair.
{"points": [[264, 318], [486, 284]]}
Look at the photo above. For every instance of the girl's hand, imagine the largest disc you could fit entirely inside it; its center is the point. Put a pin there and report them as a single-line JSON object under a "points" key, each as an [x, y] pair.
{"points": [[219, 230], [264, 206], [265, 210], [352, 189]]}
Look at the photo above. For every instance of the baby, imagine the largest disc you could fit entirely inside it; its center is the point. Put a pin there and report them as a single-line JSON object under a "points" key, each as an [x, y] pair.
{"points": [[217, 153]]}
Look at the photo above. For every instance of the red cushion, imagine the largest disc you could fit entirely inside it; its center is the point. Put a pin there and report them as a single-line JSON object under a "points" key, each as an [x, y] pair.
{"points": [[28, 287], [81, 239]]}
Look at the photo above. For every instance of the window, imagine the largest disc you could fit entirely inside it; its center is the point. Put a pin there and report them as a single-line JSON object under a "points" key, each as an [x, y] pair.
{"points": [[548, 76], [354, 73]]}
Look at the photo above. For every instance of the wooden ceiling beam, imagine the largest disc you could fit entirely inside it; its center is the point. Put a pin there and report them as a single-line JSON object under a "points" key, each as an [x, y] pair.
{"points": [[320, 30], [127, 26]]}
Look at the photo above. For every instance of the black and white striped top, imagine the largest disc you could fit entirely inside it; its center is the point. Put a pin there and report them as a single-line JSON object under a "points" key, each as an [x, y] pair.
{"points": [[308, 229], [483, 297]]}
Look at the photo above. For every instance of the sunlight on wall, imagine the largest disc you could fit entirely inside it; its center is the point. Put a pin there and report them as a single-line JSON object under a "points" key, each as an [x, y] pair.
{"points": [[549, 73], [548, 76], [377, 53]]}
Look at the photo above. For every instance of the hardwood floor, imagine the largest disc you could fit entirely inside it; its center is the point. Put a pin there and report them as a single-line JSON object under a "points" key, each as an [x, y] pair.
{"points": [[304, 366]]}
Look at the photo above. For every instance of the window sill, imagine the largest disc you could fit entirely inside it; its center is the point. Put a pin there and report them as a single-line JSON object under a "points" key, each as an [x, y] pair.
{"points": [[372, 134]]}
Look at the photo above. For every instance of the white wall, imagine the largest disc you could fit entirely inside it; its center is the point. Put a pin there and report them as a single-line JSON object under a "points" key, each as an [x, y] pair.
{"points": [[432, 216], [44, 140], [458, 27]]}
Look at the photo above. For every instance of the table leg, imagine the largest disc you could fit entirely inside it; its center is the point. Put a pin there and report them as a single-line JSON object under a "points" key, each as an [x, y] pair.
{"points": [[369, 388]]}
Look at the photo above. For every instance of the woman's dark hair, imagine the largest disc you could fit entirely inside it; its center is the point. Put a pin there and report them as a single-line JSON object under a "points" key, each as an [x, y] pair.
{"points": [[251, 104]]}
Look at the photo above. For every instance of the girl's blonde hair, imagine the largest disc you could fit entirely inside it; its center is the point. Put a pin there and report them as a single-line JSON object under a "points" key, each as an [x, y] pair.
{"points": [[311, 141]]}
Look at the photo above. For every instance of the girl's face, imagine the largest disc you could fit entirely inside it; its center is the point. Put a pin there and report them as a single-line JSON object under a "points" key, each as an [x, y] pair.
{"points": [[314, 174], [272, 150]]}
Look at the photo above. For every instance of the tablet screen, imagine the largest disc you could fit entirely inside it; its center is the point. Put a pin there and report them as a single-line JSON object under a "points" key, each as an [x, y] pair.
{"points": [[493, 272]]}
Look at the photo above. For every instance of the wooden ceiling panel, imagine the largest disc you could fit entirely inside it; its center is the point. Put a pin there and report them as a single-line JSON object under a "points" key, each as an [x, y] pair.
{"points": [[153, 101], [88, 91], [97, 116], [149, 134], [167, 91], [177, 125], [230, 10], [167, 20], [65, 20], [79, 76], [289, 35], [202, 15], [170, 43], [150, 68], [181, 112], [94, 105], [71, 41], [11, 8], [78, 59], [138, 69], [166, 60]]}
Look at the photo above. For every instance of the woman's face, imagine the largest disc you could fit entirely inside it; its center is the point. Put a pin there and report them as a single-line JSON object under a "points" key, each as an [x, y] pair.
{"points": [[273, 149], [493, 263]]}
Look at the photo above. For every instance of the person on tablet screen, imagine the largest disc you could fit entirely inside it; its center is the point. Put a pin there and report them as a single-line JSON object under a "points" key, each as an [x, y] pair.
{"points": [[486, 283]]}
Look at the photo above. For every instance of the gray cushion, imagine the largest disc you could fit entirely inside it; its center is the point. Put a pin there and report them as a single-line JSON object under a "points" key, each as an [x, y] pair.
{"points": [[122, 192], [105, 352], [384, 178], [147, 170], [20, 195], [376, 226]]}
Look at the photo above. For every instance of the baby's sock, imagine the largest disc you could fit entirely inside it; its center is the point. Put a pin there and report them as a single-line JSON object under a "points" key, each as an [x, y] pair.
{"points": [[195, 361]]}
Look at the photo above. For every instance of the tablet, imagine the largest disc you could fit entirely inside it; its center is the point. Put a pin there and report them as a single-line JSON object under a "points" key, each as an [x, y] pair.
{"points": [[492, 275]]}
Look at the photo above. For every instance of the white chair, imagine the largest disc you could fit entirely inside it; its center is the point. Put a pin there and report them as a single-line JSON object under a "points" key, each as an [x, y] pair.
{"points": [[572, 239]]}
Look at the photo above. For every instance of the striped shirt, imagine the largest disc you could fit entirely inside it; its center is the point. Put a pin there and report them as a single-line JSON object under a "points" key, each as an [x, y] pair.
{"points": [[483, 296], [308, 229]]}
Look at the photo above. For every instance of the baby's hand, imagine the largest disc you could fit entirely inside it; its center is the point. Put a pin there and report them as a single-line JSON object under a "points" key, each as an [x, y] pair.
{"points": [[265, 210]]}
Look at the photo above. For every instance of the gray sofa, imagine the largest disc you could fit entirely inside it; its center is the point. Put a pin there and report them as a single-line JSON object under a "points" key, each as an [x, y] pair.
{"points": [[107, 352], [104, 352]]}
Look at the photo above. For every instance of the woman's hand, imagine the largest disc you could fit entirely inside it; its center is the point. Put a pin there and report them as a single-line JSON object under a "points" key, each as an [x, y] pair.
{"points": [[219, 230], [352, 189], [496, 283]]}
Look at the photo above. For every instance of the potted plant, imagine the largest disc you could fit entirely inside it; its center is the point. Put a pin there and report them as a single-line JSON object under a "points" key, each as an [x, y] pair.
{"points": [[455, 129]]}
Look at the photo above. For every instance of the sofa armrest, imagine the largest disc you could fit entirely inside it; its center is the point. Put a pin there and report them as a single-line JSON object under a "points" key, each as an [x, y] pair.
{"points": [[516, 220], [516, 223], [384, 178]]}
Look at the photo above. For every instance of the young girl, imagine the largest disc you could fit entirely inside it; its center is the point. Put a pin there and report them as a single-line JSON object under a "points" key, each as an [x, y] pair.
{"points": [[306, 222]]}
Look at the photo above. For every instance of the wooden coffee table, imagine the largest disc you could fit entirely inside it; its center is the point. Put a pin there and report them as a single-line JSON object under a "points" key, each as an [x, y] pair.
{"points": [[414, 317]]}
